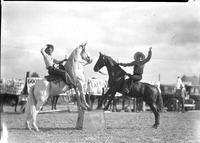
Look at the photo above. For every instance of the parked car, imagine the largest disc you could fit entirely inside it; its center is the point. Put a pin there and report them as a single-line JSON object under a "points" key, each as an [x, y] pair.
{"points": [[171, 99], [194, 92]]}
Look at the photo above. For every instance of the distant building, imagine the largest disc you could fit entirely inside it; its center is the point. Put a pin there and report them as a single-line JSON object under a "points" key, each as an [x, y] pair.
{"points": [[191, 80]]}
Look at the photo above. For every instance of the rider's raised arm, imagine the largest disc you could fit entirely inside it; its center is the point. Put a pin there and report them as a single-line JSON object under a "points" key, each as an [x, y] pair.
{"points": [[127, 64], [148, 57], [43, 51]]}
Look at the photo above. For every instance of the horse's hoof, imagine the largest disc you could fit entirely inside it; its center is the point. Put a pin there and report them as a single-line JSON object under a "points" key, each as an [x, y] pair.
{"points": [[89, 109], [99, 108], [155, 126], [29, 128], [83, 108], [37, 130], [79, 128]]}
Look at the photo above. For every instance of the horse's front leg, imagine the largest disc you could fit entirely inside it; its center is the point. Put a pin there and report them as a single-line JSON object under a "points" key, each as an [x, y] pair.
{"points": [[104, 96], [16, 103], [79, 103], [156, 114], [110, 100], [82, 95]]}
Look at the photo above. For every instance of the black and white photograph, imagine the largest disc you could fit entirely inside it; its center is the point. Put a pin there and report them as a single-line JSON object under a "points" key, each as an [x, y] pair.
{"points": [[100, 72]]}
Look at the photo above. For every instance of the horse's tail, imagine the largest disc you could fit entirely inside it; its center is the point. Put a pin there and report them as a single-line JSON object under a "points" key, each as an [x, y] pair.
{"points": [[159, 101]]}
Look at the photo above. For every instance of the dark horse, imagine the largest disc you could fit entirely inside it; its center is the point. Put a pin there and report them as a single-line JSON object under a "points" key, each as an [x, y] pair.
{"points": [[149, 93]]}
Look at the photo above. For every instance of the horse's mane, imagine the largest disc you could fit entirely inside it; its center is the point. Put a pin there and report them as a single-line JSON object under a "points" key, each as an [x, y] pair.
{"points": [[110, 59], [74, 52]]}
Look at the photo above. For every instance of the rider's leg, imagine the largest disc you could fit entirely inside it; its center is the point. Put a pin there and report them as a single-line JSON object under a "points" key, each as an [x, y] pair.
{"points": [[125, 89], [136, 77], [61, 73], [127, 83]]}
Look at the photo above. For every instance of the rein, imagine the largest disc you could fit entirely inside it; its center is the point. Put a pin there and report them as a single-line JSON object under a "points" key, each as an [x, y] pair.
{"points": [[102, 73]]}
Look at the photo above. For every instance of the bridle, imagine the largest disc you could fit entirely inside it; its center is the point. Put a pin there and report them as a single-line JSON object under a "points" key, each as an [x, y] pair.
{"points": [[102, 66]]}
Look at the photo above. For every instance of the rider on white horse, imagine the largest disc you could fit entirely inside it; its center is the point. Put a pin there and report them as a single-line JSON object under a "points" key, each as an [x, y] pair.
{"points": [[50, 61]]}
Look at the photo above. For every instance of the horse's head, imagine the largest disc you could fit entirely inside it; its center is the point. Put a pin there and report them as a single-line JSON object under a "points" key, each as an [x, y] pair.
{"points": [[113, 68], [84, 55], [80, 54], [100, 62]]}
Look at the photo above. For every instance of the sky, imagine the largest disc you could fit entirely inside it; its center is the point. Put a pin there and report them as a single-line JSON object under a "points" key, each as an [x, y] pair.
{"points": [[117, 29]]}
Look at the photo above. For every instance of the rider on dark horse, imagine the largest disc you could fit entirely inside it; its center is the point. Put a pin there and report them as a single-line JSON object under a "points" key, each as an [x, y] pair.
{"points": [[50, 61], [138, 64]]}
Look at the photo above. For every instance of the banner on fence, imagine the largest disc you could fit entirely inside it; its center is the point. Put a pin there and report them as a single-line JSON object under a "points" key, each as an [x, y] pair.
{"points": [[11, 86], [92, 86], [95, 86], [32, 80]]}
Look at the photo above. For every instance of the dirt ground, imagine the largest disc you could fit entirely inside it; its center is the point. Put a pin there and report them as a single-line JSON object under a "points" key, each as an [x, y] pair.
{"points": [[120, 127]]}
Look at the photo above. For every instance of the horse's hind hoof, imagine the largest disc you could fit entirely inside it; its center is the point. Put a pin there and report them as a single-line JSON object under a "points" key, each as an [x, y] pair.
{"points": [[37, 130], [99, 108], [155, 126], [105, 108], [89, 109], [83, 108]]}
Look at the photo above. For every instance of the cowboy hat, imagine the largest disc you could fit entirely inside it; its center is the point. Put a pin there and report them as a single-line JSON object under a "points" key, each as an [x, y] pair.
{"points": [[49, 46], [138, 55]]}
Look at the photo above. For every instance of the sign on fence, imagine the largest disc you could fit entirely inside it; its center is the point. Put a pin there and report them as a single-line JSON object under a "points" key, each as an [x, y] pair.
{"points": [[95, 86], [31, 81], [12, 86], [92, 86]]}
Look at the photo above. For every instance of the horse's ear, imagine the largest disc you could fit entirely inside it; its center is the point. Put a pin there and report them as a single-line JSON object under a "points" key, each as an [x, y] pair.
{"points": [[84, 45], [100, 53]]}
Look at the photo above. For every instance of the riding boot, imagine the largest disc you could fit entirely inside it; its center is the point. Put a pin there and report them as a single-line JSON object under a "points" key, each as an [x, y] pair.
{"points": [[125, 89]]}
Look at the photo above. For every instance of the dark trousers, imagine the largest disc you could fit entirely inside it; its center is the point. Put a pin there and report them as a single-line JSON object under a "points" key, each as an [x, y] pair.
{"points": [[57, 72], [127, 83]]}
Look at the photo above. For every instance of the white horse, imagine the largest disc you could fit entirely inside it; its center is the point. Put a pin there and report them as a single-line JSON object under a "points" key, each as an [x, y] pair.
{"points": [[43, 89]]}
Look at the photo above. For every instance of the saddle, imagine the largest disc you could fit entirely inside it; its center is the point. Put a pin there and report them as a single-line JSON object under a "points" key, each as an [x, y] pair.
{"points": [[56, 79], [133, 85], [53, 78]]}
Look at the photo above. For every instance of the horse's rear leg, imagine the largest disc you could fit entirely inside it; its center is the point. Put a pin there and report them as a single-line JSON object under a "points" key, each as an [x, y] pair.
{"points": [[56, 101], [52, 102], [28, 120], [156, 114], [35, 113], [103, 99], [34, 120], [16, 103]]}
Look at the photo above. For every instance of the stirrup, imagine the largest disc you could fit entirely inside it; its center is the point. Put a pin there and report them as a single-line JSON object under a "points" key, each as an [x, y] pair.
{"points": [[126, 91]]}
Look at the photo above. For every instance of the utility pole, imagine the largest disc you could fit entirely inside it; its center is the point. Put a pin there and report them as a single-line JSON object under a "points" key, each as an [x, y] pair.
{"points": [[25, 90], [159, 77], [0, 120], [199, 79]]}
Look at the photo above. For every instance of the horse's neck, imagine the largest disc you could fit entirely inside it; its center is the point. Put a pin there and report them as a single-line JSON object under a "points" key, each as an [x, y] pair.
{"points": [[113, 70], [75, 69], [110, 70]]}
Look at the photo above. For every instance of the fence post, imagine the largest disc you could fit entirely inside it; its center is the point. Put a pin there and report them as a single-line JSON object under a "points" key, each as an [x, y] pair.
{"points": [[0, 114], [79, 123]]}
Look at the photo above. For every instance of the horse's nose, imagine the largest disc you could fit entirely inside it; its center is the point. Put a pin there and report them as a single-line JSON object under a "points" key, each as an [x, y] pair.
{"points": [[90, 61], [95, 69]]}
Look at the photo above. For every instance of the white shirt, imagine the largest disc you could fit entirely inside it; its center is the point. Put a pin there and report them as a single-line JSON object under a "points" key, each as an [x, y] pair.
{"points": [[48, 59], [179, 84]]}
